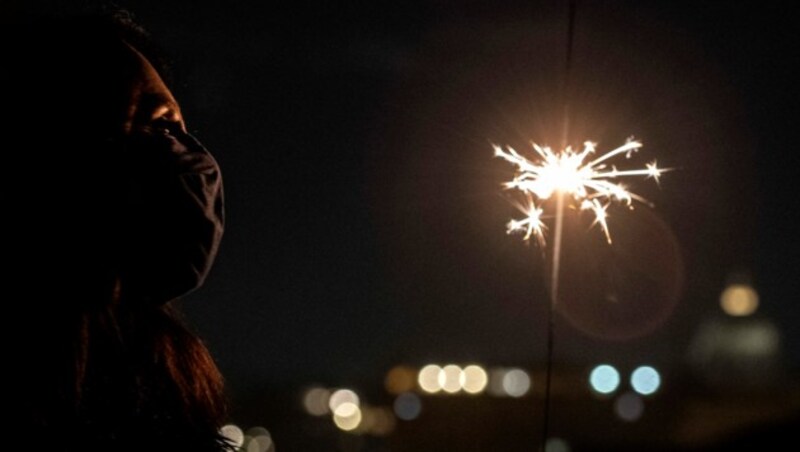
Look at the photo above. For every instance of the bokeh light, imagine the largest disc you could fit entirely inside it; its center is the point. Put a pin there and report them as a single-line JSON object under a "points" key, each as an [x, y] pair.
{"points": [[342, 396], [259, 440], [400, 379], [347, 416], [429, 378], [450, 378], [556, 445], [516, 383], [733, 353], [474, 379], [739, 300], [257, 431], [383, 422], [604, 379], [407, 406], [645, 380], [756, 339], [233, 434], [367, 419], [629, 407], [495, 387], [260, 444], [315, 401]]}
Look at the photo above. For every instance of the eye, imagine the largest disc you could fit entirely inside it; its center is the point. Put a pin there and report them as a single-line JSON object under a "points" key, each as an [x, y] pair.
{"points": [[158, 112], [166, 112], [166, 123], [166, 118]]}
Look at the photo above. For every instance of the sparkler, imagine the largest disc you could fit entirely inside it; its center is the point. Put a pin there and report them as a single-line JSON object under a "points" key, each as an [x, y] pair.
{"points": [[567, 173], [578, 177], [589, 183]]}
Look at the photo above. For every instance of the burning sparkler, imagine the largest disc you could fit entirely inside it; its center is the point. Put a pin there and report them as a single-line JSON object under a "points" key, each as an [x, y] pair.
{"points": [[589, 184], [567, 173]]}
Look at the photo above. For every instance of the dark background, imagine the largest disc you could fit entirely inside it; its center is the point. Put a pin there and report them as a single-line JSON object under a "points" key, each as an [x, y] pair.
{"points": [[365, 215]]}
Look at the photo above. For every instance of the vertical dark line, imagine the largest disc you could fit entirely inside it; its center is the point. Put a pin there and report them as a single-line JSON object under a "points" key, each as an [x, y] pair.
{"points": [[551, 326], [568, 70], [557, 245]]}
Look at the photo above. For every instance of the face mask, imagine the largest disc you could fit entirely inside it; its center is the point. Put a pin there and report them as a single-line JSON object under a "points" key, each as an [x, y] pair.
{"points": [[171, 220]]}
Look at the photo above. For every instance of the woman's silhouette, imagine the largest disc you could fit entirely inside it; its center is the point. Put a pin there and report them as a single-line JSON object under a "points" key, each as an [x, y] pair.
{"points": [[114, 211]]}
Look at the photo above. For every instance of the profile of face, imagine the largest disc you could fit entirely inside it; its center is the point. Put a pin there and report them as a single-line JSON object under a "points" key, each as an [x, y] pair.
{"points": [[147, 102], [181, 192], [125, 187]]}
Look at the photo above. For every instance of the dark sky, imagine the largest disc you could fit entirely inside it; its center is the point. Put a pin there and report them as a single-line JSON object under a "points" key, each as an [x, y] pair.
{"points": [[365, 215]]}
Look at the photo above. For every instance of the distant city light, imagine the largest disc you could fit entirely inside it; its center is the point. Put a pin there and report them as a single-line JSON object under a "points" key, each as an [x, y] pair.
{"points": [[259, 440], [407, 406], [516, 383], [604, 379], [342, 396], [629, 407], [556, 445], [450, 378], [429, 378], [347, 416], [258, 431], [737, 353], [260, 444], [367, 419], [400, 379], [739, 300], [474, 379], [233, 434], [315, 401], [645, 380], [383, 422], [495, 387]]}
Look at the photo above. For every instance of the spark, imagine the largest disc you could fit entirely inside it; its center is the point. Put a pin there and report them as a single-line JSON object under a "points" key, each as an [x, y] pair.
{"points": [[532, 224], [591, 185]]}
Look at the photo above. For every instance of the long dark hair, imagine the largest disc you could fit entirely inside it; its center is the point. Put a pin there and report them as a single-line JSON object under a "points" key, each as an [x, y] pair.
{"points": [[98, 367]]}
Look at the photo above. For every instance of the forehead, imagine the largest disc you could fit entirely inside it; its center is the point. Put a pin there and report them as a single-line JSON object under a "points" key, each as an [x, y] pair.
{"points": [[144, 77], [140, 66]]}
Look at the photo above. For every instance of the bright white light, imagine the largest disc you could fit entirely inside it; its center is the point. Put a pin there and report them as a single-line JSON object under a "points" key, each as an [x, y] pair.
{"points": [[604, 379], [429, 378], [233, 434], [450, 378], [347, 409], [629, 407], [645, 380], [407, 406], [516, 382], [342, 396], [588, 181], [474, 379], [315, 401], [347, 416]]}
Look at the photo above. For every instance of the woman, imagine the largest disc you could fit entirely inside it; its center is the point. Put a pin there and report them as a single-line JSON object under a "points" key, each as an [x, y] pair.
{"points": [[116, 212]]}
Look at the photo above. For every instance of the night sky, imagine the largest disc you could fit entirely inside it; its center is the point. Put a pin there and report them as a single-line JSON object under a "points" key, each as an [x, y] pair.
{"points": [[366, 222]]}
